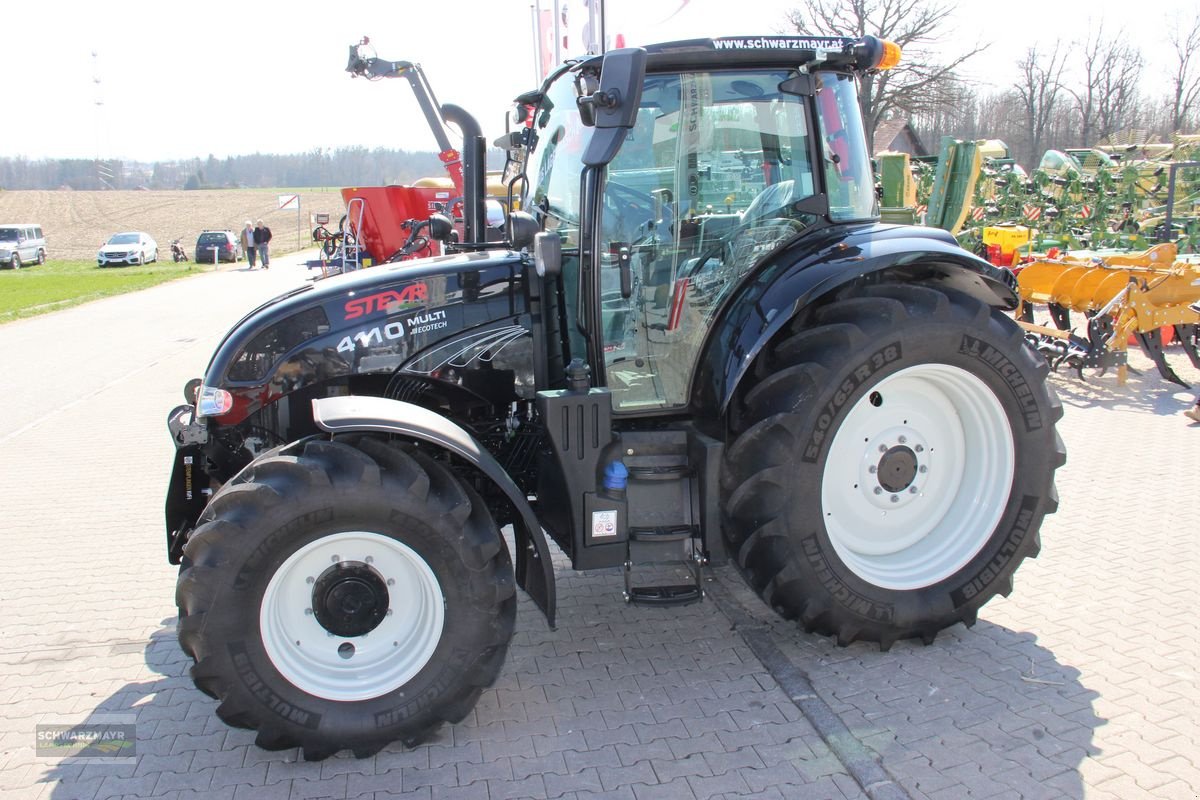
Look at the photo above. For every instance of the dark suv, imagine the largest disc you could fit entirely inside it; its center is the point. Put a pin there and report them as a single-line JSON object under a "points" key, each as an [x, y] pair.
{"points": [[224, 243]]}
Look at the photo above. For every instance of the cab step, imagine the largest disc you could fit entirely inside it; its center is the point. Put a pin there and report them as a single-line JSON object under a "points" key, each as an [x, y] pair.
{"points": [[664, 545]]}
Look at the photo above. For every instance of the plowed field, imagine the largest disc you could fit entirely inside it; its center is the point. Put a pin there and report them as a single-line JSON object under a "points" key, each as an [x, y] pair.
{"points": [[76, 223]]}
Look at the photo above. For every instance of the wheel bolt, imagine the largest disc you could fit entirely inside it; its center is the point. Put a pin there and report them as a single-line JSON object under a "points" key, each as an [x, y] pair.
{"points": [[308, 612], [370, 559], [389, 613], [883, 448], [912, 490], [310, 579], [922, 468], [391, 581], [919, 449], [335, 558], [872, 469], [903, 439], [895, 498], [878, 490]]}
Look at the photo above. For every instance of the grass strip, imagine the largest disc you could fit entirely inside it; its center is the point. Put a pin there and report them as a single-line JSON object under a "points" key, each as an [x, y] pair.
{"points": [[55, 285]]}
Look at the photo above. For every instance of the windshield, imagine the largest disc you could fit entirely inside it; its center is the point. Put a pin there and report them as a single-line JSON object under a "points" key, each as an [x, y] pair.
{"points": [[212, 238], [8, 234], [124, 238], [557, 161]]}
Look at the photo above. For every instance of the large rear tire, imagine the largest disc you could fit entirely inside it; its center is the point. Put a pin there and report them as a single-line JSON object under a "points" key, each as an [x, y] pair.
{"points": [[893, 459], [343, 596]]}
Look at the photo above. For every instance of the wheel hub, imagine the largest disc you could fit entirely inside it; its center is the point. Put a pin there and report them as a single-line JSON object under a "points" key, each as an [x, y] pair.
{"points": [[349, 599], [895, 467]]}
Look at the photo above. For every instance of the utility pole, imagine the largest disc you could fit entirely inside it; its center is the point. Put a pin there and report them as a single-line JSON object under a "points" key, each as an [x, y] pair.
{"points": [[104, 173]]}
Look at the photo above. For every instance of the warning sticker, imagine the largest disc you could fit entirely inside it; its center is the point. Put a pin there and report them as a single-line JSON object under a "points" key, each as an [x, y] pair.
{"points": [[604, 523]]}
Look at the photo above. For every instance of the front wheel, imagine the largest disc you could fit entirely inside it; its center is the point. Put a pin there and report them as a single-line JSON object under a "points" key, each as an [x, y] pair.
{"points": [[342, 596], [15, 261], [894, 459]]}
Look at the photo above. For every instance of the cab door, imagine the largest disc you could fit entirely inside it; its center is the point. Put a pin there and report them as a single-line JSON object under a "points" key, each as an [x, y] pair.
{"points": [[705, 187]]}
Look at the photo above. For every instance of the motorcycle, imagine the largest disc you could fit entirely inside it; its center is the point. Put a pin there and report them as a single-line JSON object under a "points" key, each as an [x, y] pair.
{"points": [[177, 252]]}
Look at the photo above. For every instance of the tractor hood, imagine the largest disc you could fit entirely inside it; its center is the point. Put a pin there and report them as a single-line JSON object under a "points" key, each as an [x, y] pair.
{"points": [[426, 317]]}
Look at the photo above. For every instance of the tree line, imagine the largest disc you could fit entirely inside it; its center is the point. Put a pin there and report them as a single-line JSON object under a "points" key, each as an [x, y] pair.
{"points": [[1078, 92], [349, 166]]}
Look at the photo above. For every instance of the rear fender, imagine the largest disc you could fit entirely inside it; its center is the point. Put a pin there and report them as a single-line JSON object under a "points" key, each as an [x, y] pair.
{"points": [[799, 278], [535, 572]]}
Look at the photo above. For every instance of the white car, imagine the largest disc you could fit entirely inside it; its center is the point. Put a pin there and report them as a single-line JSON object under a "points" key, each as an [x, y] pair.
{"points": [[133, 247]]}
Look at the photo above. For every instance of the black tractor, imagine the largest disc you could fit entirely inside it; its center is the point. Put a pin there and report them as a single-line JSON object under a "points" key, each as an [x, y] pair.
{"points": [[691, 340]]}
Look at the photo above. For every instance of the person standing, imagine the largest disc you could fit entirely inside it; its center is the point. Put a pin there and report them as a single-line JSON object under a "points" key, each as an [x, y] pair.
{"points": [[262, 238], [248, 242]]}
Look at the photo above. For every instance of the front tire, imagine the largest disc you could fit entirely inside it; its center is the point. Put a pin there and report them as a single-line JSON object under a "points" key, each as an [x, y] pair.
{"points": [[342, 596], [15, 261], [892, 462]]}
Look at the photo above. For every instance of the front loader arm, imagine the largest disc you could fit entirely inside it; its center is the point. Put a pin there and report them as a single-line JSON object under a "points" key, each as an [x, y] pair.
{"points": [[373, 68]]}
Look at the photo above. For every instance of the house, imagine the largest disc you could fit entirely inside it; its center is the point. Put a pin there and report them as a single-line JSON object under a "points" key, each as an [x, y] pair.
{"points": [[897, 136]]}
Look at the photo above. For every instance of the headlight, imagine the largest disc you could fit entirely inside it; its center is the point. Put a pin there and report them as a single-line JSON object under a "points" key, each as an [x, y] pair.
{"points": [[213, 402]]}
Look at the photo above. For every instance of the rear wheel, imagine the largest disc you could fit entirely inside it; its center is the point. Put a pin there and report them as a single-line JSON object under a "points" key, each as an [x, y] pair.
{"points": [[343, 596], [894, 460]]}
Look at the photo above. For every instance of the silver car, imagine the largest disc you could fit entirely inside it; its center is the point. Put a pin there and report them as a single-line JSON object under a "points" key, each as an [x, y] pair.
{"points": [[20, 244]]}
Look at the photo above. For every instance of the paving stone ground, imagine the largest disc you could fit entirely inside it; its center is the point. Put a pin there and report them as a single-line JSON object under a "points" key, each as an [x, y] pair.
{"points": [[1081, 684]]}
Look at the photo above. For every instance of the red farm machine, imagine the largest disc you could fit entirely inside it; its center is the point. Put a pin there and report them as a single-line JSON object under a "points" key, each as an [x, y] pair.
{"points": [[397, 223]]}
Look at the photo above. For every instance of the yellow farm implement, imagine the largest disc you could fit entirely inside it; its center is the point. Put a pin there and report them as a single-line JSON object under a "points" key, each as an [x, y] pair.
{"points": [[1149, 296]]}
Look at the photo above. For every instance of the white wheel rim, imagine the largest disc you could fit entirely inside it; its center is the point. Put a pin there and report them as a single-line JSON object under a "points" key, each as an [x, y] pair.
{"points": [[918, 476], [351, 668]]}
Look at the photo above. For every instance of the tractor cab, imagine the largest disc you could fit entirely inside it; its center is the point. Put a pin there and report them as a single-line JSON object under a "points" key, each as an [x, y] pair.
{"points": [[661, 214]]}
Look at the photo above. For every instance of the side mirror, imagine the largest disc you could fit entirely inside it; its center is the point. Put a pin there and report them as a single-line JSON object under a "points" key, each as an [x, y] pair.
{"points": [[547, 254], [615, 104]]}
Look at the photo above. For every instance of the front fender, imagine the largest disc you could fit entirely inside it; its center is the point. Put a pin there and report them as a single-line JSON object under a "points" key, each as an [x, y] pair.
{"points": [[535, 572], [808, 271]]}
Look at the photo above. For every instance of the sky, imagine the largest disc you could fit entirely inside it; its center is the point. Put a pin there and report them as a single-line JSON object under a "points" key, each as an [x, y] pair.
{"points": [[146, 81]]}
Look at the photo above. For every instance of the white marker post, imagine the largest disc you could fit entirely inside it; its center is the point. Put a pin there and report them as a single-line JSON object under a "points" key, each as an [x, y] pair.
{"points": [[291, 202]]}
